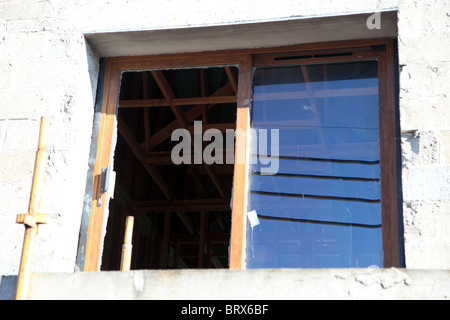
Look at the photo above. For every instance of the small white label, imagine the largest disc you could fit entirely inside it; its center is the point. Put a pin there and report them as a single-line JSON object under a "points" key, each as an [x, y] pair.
{"points": [[253, 218]]}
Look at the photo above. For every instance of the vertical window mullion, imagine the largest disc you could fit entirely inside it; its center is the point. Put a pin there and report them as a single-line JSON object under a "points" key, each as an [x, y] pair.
{"points": [[238, 230], [388, 155]]}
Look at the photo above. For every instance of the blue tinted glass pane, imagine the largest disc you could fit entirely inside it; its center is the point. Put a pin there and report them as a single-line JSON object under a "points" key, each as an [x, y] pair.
{"points": [[315, 169]]}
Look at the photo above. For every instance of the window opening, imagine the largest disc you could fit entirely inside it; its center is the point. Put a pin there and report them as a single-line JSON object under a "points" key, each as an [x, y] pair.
{"points": [[322, 191], [182, 212]]}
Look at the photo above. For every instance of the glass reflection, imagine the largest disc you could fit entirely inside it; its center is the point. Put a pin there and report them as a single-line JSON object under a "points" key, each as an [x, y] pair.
{"points": [[321, 209]]}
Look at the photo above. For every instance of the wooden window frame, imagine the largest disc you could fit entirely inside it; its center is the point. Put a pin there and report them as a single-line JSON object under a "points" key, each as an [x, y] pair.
{"points": [[373, 49]]}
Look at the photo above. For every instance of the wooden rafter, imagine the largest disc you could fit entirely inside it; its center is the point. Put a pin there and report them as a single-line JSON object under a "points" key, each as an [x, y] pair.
{"points": [[183, 205], [165, 157], [148, 103], [203, 93], [184, 123], [145, 94], [191, 115], [140, 155], [232, 79]]}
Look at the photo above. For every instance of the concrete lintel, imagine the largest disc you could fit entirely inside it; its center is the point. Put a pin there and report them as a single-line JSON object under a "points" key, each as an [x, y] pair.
{"points": [[242, 35], [263, 284]]}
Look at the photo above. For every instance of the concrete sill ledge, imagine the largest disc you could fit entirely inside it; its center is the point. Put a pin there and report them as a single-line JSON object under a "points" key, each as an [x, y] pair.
{"points": [[270, 284]]}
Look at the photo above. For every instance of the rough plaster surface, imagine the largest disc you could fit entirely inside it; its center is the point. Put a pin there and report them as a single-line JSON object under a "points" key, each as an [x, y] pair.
{"points": [[424, 37], [281, 284], [47, 68]]}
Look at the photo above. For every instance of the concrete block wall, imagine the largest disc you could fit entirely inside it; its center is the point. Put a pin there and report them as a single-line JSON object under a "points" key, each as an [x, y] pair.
{"points": [[47, 68], [424, 51]]}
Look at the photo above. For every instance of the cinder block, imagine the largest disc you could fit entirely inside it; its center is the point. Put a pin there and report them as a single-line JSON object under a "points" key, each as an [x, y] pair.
{"points": [[422, 217], [25, 10], [22, 136], [5, 74], [423, 112], [24, 26], [15, 197], [19, 45], [426, 183], [23, 104], [17, 167], [2, 31], [45, 73], [429, 147], [2, 134], [445, 143], [410, 149]]}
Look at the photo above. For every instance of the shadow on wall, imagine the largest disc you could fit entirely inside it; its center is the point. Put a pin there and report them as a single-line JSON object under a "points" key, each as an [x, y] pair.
{"points": [[7, 287]]}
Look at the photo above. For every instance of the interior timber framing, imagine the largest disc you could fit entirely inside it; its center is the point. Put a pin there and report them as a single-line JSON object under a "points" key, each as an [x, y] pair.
{"points": [[183, 211], [238, 91]]}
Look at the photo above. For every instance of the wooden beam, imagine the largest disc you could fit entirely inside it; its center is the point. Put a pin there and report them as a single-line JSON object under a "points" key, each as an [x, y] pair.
{"points": [[154, 173], [225, 169], [182, 205], [127, 247], [165, 157], [145, 94], [151, 103], [222, 127], [170, 96], [238, 229], [203, 94], [165, 242], [232, 79], [188, 238], [140, 155], [201, 240], [184, 123], [191, 115], [181, 117], [94, 237]]}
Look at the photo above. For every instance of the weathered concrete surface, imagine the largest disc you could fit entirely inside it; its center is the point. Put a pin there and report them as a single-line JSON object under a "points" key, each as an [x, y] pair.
{"points": [[282, 284], [48, 68], [277, 33], [424, 35]]}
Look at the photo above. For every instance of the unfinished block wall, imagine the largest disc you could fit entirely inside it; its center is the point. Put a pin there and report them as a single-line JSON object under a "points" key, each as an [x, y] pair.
{"points": [[424, 51], [45, 71], [47, 68]]}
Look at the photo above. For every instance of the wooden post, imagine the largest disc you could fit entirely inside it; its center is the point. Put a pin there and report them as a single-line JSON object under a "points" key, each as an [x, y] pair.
{"points": [[201, 241], [127, 248], [33, 218], [241, 173]]}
